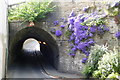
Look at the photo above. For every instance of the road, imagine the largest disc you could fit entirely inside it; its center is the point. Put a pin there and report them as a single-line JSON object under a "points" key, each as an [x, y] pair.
{"points": [[29, 65], [27, 70], [32, 65]]}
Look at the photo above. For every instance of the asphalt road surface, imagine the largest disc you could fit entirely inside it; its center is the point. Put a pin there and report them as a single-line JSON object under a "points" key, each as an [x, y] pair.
{"points": [[29, 66], [26, 70], [34, 66]]}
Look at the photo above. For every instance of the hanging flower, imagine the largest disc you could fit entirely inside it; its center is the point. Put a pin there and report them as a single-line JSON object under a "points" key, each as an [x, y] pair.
{"points": [[71, 20], [72, 53], [71, 45], [93, 29], [65, 21], [117, 4], [84, 60], [91, 42], [58, 33], [85, 9], [72, 37], [117, 35], [74, 49], [87, 53], [77, 41], [90, 35], [62, 18], [71, 27], [56, 22], [62, 26], [72, 14]]}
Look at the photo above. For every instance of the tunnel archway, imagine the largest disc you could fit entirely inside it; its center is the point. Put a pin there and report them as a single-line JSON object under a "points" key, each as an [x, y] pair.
{"points": [[50, 51], [31, 44]]}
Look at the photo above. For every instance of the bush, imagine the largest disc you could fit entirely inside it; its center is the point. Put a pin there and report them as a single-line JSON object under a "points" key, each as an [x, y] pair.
{"points": [[30, 11], [95, 55], [108, 65], [113, 75]]}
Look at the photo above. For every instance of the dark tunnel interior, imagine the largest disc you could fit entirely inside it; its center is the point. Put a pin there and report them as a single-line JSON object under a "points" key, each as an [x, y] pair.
{"points": [[50, 52]]}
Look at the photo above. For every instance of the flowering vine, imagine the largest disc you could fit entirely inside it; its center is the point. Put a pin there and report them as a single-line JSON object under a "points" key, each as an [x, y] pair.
{"points": [[58, 33], [82, 29], [56, 23], [117, 35]]}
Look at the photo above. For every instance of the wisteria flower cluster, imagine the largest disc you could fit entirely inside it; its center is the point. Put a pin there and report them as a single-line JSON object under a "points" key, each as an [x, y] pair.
{"points": [[82, 35], [58, 33], [85, 9], [117, 4], [84, 60], [117, 35], [56, 22]]}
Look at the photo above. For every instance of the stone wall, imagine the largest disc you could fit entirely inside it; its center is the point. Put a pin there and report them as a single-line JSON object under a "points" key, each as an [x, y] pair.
{"points": [[66, 62]]}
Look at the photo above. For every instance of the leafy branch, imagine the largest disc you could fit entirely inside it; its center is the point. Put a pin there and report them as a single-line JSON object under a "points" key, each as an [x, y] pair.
{"points": [[30, 11]]}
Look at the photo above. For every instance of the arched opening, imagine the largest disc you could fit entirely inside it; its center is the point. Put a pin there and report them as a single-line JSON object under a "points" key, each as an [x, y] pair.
{"points": [[31, 44], [30, 51], [48, 47]]}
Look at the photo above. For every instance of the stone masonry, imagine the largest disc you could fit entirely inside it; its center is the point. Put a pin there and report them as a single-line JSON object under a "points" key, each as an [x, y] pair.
{"points": [[66, 62]]}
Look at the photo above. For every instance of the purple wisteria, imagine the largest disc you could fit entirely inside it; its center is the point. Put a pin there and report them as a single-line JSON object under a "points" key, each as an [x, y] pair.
{"points": [[84, 60], [56, 22], [82, 35], [62, 26], [72, 14], [117, 4], [85, 9], [58, 33], [117, 35]]}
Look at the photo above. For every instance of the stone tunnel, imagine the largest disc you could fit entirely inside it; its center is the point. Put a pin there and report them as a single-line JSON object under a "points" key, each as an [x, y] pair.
{"points": [[50, 51], [54, 55], [57, 48]]}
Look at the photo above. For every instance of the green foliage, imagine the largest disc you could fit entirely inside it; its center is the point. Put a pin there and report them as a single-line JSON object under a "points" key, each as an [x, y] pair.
{"points": [[96, 74], [30, 11], [113, 75], [108, 64], [95, 55], [68, 33], [94, 21], [113, 9]]}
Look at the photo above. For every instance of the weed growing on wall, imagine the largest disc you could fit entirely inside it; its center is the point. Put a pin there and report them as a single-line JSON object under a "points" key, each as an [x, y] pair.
{"points": [[30, 11]]}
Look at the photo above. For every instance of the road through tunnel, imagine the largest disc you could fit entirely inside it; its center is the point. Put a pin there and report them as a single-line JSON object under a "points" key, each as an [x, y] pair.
{"points": [[48, 47]]}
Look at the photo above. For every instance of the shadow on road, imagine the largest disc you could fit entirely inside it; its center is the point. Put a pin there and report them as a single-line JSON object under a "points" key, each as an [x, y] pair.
{"points": [[34, 65], [28, 65]]}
